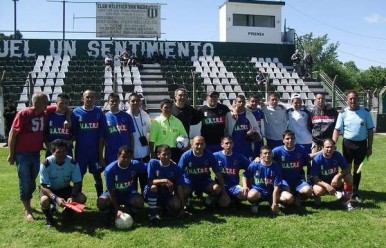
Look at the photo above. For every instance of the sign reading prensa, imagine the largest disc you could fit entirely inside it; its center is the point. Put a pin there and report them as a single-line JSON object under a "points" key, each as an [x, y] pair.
{"points": [[128, 20]]}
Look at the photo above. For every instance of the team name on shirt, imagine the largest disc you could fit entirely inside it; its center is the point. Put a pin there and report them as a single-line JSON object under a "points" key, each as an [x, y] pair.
{"points": [[241, 127], [290, 165], [328, 172], [88, 125], [229, 171], [265, 181], [117, 129], [59, 130], [123, 185], [197, 171], [215, 120]]}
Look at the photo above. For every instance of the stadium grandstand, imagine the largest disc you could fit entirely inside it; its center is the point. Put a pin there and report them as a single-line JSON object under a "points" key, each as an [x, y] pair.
{"points": [[228, 66]]}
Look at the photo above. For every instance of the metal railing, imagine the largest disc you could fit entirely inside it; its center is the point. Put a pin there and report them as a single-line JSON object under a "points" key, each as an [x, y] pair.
{"points": [[338, 97]]}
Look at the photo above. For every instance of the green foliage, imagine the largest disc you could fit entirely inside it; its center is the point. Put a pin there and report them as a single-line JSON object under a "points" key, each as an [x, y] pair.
{"points": [[327, 226], [16, 36], [349, 76]]}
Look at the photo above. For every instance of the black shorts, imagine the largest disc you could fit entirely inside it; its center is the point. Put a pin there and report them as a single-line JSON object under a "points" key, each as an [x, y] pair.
{"points": [[64, 193], [354, 151]]}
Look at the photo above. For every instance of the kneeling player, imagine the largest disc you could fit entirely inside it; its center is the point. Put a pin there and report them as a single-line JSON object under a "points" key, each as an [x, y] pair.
{"points": [[326, 176], [164, 185], [196, 164], [264, 180], [122, 184], [56, 174], [292, 159], [231, 163]]}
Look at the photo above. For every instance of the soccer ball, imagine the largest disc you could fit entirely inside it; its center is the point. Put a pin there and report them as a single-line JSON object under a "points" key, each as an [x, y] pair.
{"points": [[124, 221], [182, 142]]}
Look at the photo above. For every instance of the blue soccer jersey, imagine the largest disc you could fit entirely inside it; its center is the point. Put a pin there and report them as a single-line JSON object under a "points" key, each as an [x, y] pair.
{"points": [[241, 127], [119, 127], [230, 166], [87, 126], [56, 129], [292, 163], [265, 177], [123, 181], [171, 172], [197, 168], [259, 116], [327, 168], [59, 176]]}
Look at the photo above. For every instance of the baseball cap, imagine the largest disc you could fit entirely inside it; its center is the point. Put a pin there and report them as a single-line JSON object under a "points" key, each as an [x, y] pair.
{"points": [[295, 96], [212, 92]]}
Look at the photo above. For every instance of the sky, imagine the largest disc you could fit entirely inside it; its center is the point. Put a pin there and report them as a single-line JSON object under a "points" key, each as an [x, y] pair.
{"points": [[358, 26]]}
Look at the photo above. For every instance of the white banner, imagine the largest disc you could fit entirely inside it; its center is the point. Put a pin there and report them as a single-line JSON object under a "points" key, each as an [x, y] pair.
{"points": [[128, 20]]}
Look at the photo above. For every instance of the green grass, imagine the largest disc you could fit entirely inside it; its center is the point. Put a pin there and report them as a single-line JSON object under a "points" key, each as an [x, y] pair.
{"points": [[327, 226]]}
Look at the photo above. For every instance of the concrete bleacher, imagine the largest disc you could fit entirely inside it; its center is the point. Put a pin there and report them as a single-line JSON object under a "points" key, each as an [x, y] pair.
{"points": [[228, 75]]}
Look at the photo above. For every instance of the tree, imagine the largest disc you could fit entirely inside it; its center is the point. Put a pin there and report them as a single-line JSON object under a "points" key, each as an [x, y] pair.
{"points": [[17, 36]]}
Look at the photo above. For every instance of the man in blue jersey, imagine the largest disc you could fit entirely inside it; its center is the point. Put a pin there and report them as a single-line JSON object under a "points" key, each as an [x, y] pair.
{"points": [[231, 163], [241, 125], [121, 178], [164, 187], [357, 127], [119, 130], [292, 159], [57, 173], [253, 106], [326, 175], [56, 120], [88, 128], [196, 164], [264, 179]]}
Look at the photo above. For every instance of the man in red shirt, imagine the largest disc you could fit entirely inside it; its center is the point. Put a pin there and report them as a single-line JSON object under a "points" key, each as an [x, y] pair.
{"points": [[25, 142]]}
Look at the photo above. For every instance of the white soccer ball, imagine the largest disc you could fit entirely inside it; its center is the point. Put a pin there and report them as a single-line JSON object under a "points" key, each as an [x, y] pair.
{"points": [[182, 142], [124, 221]]}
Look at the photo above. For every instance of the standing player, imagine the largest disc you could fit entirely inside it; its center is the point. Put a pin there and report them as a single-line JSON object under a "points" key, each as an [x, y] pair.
{"points": [[119, 131], [323, 119], [241, 125], [292, 159], [326, 176], [196, 164], [357, 126], [275, 121], [213, 122], [165, 185], [88, 127], [56, 120], [299, 121], [25, 142], [264, 179], [253, 106], [165, 129], [122, 185], [231, 163], [56, 174]]}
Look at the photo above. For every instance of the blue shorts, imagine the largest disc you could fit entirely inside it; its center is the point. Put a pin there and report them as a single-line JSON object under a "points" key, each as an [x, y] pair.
{"points": [[88, 160], [213, 148], [295, 186], [306, 147], [198, 185], [233, 190], [266, 195], [122, 198]]}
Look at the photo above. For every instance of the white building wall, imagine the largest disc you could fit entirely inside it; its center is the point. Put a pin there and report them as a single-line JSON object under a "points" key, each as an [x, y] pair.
{"points": [[230, 33]]}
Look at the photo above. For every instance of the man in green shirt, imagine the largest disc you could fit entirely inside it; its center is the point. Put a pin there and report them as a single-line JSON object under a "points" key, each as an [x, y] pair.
{"points": [[165, 129]]}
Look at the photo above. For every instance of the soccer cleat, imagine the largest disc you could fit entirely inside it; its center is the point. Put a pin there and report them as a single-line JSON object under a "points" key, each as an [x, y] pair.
{"points": [[348, 206], [356, 197], [298, 202], [209, 201], [317, 201], [155, 221], [255, 209]]}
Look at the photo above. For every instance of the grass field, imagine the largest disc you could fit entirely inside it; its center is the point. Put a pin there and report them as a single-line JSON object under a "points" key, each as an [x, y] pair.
{"points": [[327, 226]]}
